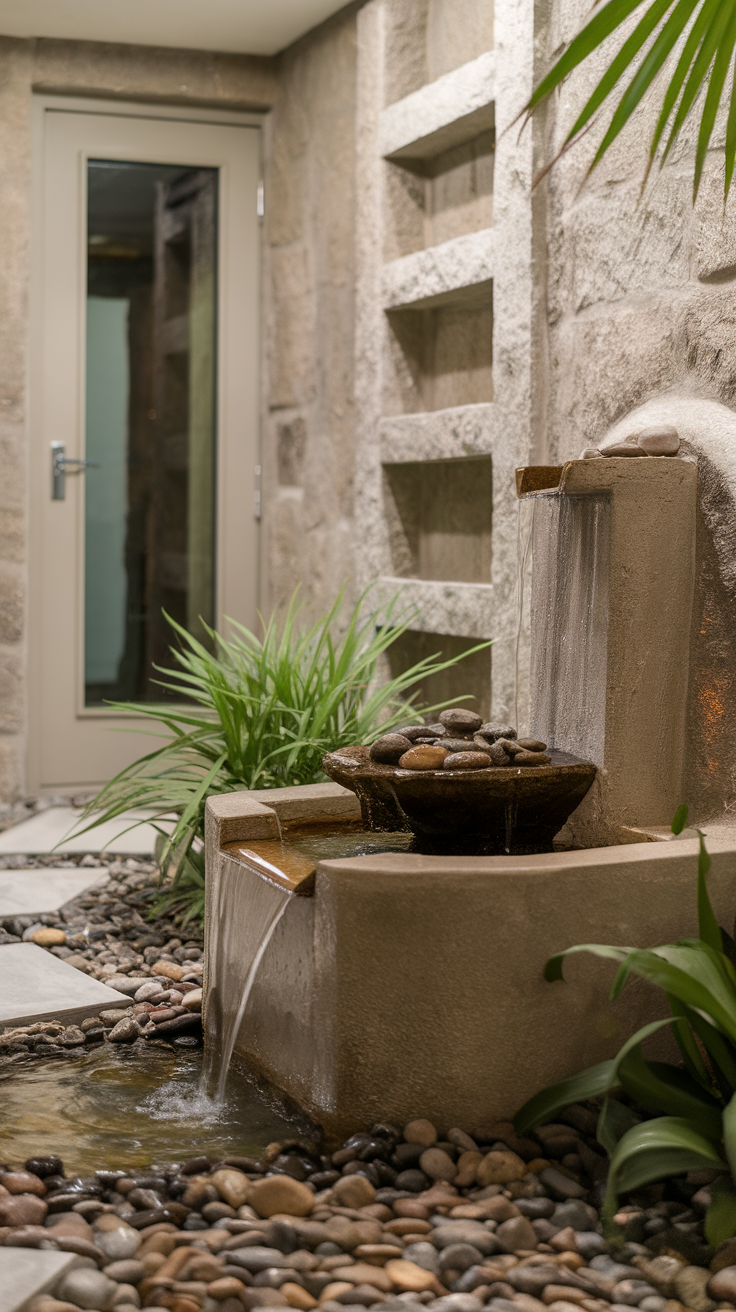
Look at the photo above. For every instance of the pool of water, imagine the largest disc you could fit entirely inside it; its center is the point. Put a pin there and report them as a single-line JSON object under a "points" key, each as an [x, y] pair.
{"points": [[121, 1108]]}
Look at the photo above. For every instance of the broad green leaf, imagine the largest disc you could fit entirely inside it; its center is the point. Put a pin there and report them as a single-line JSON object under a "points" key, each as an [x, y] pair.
{"points": [[553, 968], [729, 1133], [679, 820], [693, 973], [668, 1145], [720, 1219], [699, 70], [592, 1083], [708, 927], [722, 1056], [663, 1088], [615, 1119]]}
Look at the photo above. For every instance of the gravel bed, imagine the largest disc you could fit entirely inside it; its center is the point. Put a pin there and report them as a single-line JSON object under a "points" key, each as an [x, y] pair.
{"points": [[107, 933], [392, 1218]]}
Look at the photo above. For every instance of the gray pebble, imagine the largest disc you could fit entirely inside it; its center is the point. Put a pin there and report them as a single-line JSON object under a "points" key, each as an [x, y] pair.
{"points": [[125, 1031], [423, 1255], [631, 1292], [623, 449], [86, 1288], [492, 732], [388, 749], [459, 1257], [581, 1216]]}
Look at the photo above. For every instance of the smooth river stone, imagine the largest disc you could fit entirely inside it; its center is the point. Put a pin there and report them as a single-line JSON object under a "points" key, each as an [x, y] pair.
{"points": [[590, 453], [492, 732], [457, 720], [466, 745], [531, 758], [414, 731], [419, 1132], [466, 761], [500, 1168], [423, 758], [498, 756], [624, 449], [532, 744], [388, 749], [659, 440]]}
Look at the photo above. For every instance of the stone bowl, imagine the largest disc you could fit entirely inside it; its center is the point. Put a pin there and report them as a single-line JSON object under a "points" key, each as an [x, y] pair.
{"points": [[502, 809]]}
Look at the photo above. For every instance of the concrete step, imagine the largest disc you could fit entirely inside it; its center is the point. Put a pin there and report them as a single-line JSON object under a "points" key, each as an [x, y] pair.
{"points": [[47, 832], [36, 892], [34, 985], [27, 1272]]}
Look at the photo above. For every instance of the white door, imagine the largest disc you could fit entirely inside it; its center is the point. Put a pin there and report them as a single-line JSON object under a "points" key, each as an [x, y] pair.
{"points": [[144, 363]]}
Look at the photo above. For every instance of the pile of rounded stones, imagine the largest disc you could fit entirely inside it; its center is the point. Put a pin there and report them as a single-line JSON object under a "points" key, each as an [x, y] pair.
{"points": [[105, 933], [392, 1221], [657, 440], [459, 741]]}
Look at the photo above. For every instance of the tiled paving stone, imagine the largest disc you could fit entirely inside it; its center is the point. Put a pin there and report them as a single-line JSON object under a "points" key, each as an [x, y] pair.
{"points": [[35, 986], [33, 892], [27, 1272], [108, 934], [48, 830]]}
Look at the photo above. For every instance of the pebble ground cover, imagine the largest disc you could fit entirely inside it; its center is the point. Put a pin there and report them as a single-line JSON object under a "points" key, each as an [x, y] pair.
{"points": [[415, 1216]]}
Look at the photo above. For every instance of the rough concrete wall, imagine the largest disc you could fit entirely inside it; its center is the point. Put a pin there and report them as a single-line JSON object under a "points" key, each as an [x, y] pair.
{"points": [[640, 292], [309, 277]]}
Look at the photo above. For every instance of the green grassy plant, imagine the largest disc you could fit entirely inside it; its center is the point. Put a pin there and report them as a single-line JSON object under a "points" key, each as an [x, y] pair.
{"points": [[700, 35], [258, 713], [694, 1125]]}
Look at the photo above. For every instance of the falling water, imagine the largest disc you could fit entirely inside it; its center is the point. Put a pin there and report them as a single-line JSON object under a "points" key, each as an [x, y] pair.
{"points": [[239, 933], [569, 622], [524, 534]]}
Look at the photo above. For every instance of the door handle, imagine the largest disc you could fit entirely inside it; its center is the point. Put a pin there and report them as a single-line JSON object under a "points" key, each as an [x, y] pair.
{"points": [[60, 463]]}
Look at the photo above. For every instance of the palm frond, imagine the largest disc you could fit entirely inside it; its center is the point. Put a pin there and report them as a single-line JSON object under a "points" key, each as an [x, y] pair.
{"points": [[706, 32]]}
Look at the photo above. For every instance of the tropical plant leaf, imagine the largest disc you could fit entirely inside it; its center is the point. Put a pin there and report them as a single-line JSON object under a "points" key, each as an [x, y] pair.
{"points": [[708, 927], [594, 1082], [614, 1120], [729, 1133], [690, 971], [553, 968], [660, 1087], [679, 819], [667, 1145], [706, 30], [720, 1219]]}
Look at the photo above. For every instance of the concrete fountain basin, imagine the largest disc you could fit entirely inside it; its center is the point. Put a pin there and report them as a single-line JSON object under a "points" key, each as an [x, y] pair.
{"points": [[501, 809]]}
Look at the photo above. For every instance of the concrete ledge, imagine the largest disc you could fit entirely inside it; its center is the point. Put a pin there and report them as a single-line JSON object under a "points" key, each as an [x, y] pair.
{"points": [[455, 434], [462, 610], [34, 985], [445, 113], [455, 272], [27, 1272], [413, 983]]}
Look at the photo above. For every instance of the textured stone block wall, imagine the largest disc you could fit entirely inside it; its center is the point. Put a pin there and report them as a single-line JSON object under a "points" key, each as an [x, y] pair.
{"points": [[640, 292]]}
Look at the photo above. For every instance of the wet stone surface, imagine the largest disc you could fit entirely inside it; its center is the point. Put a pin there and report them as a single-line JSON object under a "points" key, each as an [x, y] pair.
{"points": [[305, 1228]]}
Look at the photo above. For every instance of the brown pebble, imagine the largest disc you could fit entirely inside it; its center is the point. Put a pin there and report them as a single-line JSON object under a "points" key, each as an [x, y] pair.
{"points": [[457, 720], [532, 744], [423, 758], [466, 761], [659, 440], [498, 756], [531, 758], [225, 1287], [49, 938], [388, 749], [22, 1182]]}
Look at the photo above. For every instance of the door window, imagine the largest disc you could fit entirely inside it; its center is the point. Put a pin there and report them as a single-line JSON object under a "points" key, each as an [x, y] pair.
{"points": [[151, 372]]}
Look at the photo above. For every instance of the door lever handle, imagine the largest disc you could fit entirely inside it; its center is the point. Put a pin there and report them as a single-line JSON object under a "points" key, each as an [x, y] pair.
{"points": [[60, 463]]}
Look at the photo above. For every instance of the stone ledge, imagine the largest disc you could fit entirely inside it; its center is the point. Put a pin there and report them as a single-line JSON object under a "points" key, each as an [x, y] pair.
{"points": [[455, 434], [27, 1272], [455, 272], [461, 610], [445, 113]]}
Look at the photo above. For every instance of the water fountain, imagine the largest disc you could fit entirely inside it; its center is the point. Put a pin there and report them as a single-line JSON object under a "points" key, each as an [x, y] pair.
{"points": [[400, 981]]}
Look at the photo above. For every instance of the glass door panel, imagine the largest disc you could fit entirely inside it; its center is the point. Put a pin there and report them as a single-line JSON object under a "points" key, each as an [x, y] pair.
{"points": [[151, 373]]}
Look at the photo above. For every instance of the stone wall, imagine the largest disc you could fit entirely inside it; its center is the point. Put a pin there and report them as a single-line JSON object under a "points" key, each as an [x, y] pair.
{"points": [[309, 314], [640, 293]]}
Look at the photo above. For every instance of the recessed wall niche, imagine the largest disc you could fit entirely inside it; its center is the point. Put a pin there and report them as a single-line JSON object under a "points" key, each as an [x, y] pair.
{"points": [[472, 675], [438, 515], [441, 357], [429, 201]]}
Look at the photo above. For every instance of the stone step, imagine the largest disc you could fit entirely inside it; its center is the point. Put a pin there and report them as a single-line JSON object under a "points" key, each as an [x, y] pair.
{"points": [[47, 832], [34, 985], [27, 1272], [36, 892]]}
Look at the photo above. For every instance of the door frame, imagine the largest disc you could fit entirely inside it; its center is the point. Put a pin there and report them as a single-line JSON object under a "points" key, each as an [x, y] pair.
{"points": [[237, 403]]}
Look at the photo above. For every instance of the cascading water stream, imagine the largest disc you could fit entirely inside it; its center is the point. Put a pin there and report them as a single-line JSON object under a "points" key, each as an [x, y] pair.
{"points": [[239, 935]]}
